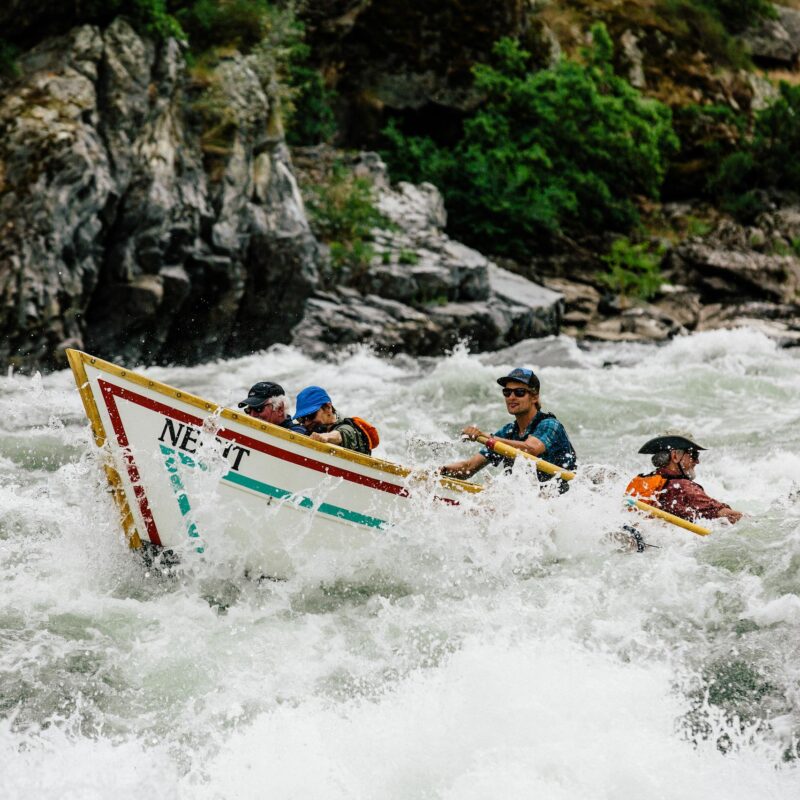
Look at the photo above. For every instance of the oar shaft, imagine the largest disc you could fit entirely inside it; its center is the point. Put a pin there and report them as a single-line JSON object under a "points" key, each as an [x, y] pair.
{"points": [[512, 452], [675, 520]]}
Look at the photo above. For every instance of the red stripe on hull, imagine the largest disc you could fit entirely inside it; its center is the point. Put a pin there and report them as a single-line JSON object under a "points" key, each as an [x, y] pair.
{"points": [[130, 464]]}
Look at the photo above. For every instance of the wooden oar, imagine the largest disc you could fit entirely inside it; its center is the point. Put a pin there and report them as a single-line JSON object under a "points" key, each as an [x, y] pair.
{"points": [[512, 452], [657, 512], [545, 466]]}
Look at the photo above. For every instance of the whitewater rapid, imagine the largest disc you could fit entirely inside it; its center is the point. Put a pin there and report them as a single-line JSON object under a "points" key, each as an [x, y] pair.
{"points": [[502, 649]]}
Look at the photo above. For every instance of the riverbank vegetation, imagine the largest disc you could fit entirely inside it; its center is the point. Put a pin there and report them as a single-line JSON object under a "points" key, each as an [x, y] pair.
{"points": [[343, 215], [557, 146], [632, 269], [561, 150], [766, 159]]}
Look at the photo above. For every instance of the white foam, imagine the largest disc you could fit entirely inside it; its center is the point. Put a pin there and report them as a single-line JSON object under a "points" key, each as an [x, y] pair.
{"points": [[54, 764], [499, 719], [503, 648]]}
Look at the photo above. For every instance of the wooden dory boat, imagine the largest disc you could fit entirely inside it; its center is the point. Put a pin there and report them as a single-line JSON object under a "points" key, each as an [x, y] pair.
{"points": [[174, 460]]}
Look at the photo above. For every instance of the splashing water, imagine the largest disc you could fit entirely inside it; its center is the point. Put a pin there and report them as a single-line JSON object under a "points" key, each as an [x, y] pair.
{"points": [[504, 648]]}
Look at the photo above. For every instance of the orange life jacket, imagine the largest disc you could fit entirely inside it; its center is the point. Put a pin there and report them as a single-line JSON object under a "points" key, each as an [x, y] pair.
{"points": [[369, 430], [647, 487]]}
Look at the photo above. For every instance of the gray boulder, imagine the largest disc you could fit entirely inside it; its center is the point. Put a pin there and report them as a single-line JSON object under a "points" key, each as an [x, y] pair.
{"points": [[550, 351], [416, 262], [423, 292], [347, 318], [775, 41], [144, 217], [779, 321], [737, 264]]}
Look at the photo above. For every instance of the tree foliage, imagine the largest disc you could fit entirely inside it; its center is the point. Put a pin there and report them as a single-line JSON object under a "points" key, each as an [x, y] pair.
{"points": [[8, 59], [768, 159], [568, 148], [310, 117]]}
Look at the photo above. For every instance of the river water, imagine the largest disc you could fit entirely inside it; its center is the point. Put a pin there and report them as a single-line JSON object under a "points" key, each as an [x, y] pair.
{"points": [[504, 650]]}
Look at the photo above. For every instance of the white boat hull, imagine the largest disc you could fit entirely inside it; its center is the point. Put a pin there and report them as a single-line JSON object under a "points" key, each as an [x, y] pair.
{"points": [[191, 476]]}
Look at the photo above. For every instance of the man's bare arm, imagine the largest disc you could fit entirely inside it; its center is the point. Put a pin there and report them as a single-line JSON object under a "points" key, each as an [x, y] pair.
{"points": [[464, 469]]}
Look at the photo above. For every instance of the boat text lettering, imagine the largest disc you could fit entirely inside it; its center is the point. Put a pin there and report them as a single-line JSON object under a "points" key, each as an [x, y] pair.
{"points": [[187, 438]]}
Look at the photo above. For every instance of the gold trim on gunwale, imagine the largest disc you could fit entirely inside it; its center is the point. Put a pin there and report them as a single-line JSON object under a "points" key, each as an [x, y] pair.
{"points": [[77, 361], [81, 358]]}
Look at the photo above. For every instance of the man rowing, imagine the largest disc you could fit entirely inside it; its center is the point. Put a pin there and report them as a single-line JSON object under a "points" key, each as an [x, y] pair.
{"points": [[533, 431], [671, 486]]}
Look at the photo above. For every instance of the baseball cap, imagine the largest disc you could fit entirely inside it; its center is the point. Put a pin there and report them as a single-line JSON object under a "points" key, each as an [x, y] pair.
{"points": [[522, 375], [260, 393]]}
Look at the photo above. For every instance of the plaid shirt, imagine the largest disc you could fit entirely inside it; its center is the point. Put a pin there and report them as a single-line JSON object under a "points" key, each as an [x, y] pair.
{"points": [[550, 432]]}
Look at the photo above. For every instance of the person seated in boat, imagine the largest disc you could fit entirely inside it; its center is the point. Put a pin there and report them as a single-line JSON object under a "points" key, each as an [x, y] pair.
{"points": [[266, 401], [671, 486], [533, 431], [318, 418]]}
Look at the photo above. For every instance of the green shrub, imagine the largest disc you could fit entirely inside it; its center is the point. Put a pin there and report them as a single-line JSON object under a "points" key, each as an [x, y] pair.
{"points": [[408, 257], [777, 138], [152, 17], [8, 59], [708, 134], [697, 227], [567, 148], [213, 23], [779, 247], [632, 269], [343, 214], [309, 116], [768, 159]]}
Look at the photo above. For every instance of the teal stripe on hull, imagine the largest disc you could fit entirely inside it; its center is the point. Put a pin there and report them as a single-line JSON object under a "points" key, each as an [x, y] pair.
{"points": [[305, 502], [173, 458], [178, 489]]}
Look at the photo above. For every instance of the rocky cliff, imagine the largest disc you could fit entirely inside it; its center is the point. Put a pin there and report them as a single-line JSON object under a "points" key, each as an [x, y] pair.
{"points": [[151, 219], [152, 213], [127, 233]]}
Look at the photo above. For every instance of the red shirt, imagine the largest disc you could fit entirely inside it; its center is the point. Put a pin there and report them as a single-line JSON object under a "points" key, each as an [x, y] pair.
{"points": [[687, 499]]}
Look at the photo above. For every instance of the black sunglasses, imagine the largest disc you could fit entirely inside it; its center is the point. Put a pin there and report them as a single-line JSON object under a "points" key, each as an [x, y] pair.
{"points": [[515, 392]]}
